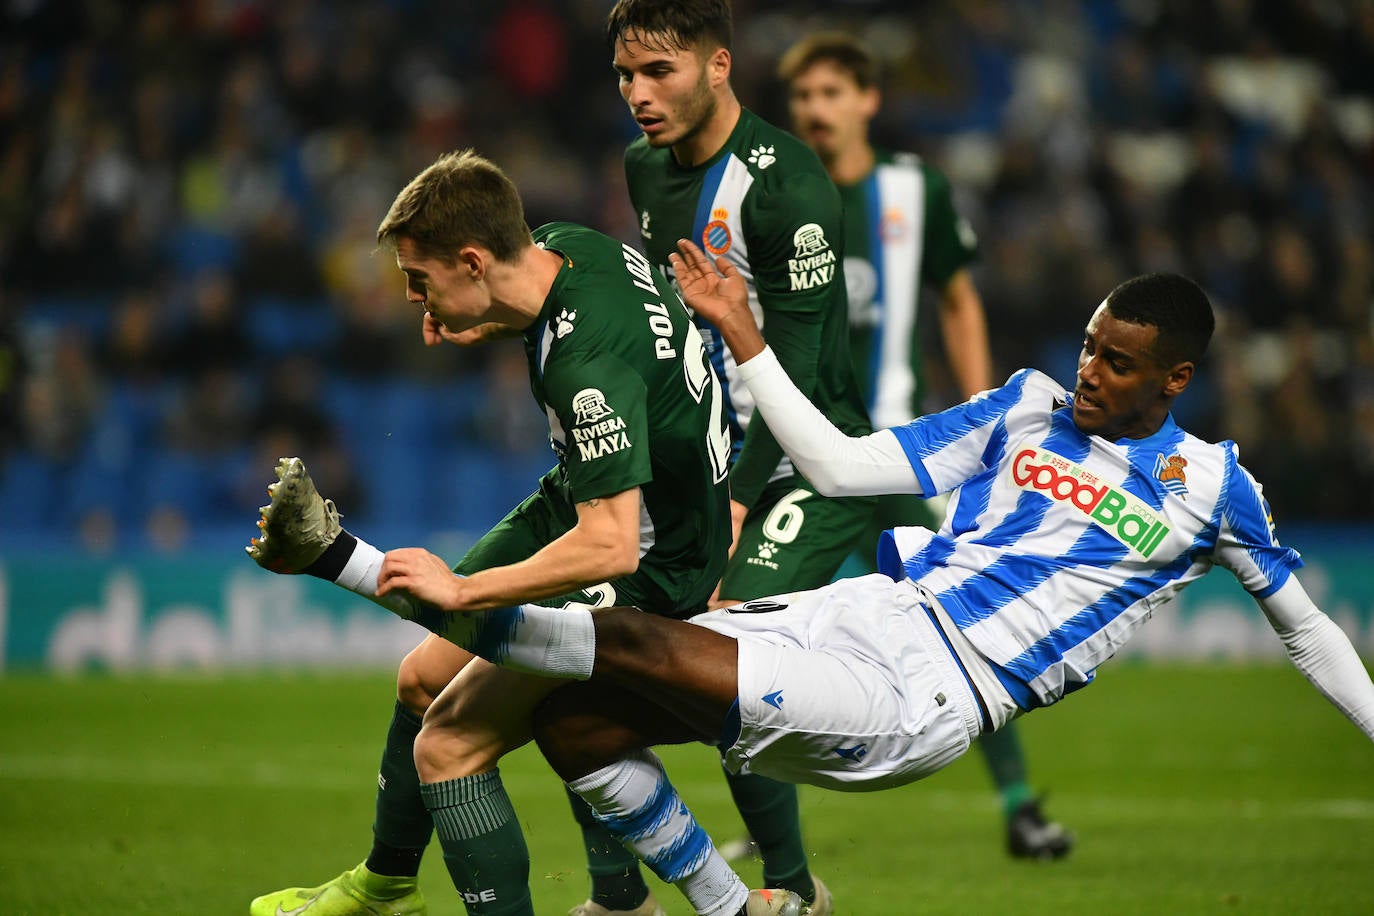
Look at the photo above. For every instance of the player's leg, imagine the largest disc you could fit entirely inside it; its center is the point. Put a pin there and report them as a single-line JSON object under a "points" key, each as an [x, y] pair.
{"points": [[595, 735], [483, 714], [301, 534], [658, 682], [792, 540]]}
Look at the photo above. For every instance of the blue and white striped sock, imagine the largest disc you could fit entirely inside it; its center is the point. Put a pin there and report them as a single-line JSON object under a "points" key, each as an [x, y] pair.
{"points": [[640, 807]]}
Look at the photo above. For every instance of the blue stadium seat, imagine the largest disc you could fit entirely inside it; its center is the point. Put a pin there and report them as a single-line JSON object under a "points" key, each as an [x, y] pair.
{"points": [[281, 326], [477, 486], [92, 314], [193, 249], [29, 487]]}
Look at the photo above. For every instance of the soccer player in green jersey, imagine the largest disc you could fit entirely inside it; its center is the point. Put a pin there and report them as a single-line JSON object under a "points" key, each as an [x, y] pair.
{"points": [[902, 236], [710, 170], [636, 511]]}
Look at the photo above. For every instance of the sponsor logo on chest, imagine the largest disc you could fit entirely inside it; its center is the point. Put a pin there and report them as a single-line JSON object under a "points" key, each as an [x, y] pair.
{"points": [[1116, 512]]}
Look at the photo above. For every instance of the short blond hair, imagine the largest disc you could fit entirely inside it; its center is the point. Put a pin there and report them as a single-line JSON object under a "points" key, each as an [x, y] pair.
{"points": [[460, 199]]}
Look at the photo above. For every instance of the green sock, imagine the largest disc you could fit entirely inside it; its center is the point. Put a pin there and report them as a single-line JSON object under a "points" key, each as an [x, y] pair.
{"points": [[617, 883], [770, 813], [1007, 764], [402, 826], [483, 846]]}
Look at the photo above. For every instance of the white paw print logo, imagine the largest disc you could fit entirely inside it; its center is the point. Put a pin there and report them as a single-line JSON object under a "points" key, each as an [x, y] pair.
{"points": [[563, 323], [762, 156], [767, 549]]}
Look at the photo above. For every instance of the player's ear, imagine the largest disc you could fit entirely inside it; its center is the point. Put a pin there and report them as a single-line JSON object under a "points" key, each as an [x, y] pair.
{"points": [[718, 67], [872, 101], [472, 262], [1177, 379]]}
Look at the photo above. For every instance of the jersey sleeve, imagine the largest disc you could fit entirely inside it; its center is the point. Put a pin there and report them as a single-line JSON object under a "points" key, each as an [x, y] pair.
{"points": [[948, 448], [1247, 544], [950, 243], [794, 234], [602, 406]]}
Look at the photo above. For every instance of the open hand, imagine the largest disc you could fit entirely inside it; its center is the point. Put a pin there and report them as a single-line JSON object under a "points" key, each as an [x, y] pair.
{"points": [[435, 333], [713, 291], [719, 294]]}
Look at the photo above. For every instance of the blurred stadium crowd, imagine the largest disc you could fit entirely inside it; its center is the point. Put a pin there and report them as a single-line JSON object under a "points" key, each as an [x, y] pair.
{"points": [[189, 191]]}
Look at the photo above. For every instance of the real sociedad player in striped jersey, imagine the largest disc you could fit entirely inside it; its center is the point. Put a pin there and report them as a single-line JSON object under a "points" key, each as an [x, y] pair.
{"points": [[1074, 514], [1066, 531]]}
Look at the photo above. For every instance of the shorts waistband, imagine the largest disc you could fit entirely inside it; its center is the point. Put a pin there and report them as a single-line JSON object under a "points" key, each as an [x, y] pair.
{"points": [[956, 679], [984, 718]]}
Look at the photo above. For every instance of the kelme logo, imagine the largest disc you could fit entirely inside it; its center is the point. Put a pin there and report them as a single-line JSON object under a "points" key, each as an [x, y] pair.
{"points": [[1115, 511]]}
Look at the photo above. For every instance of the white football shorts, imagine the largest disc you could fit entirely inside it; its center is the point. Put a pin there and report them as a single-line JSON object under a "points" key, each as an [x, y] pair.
{"points": [[848, 687]]}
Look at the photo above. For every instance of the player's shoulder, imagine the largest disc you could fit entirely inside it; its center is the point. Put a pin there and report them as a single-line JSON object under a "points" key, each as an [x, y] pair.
{"points": [[1028, 383], [550, 235], [773, 156]]}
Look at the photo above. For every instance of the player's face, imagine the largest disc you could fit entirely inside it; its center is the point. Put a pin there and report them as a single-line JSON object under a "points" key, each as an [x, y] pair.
{"points": [[1123, 390], [829, 109], [668, 90], [450, 292]]}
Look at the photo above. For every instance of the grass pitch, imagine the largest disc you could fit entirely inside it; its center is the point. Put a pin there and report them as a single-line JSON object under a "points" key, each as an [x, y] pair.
{"points": [[1191, 790]]}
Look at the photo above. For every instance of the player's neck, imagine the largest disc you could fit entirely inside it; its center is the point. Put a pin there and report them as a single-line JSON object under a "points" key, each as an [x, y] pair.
{"points": [[519, 288], [704, 143], [851, 164]]}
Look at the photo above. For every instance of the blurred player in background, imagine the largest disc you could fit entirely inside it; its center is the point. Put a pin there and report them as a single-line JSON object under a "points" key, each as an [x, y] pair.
{"points": [[708, 169], [635, 511], [903, 235]]}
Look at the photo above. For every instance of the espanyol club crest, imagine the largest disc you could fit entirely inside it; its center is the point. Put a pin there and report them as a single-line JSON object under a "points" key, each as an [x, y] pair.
{"points": [[716, 238]]}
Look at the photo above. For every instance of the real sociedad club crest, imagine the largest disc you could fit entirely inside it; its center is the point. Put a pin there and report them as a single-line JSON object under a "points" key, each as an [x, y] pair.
{"points": [[1169, 471]]}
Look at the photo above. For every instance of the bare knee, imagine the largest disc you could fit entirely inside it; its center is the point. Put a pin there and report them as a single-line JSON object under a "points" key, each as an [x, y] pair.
{"points": [[411, 688], [426, 671]]}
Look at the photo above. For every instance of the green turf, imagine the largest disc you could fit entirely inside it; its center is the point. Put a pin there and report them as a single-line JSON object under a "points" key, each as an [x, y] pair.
{"points": [[1191, 789]]}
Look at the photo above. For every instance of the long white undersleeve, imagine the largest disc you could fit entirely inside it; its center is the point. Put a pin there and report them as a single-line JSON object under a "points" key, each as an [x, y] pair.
{"points": [[1322, 652], [836, 464]]}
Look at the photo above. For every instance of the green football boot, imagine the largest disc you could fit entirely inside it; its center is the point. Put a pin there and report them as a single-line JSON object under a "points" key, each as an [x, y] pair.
{"points": [[357, 892]]}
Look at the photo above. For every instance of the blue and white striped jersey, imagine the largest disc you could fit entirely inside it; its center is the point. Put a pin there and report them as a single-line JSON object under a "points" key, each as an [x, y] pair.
{"points": [[1058, 545]]}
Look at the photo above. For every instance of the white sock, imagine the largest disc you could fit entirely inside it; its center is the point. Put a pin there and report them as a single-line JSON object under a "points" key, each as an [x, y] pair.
{"points": [[639, 806], [360, 576]]}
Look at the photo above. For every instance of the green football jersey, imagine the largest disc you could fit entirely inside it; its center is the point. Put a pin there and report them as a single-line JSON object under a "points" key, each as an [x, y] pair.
{"points": [[901, 233], [764, 202], [622, 374]]}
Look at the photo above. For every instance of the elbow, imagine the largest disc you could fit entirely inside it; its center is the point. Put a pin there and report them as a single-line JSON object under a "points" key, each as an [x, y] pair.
{"points": [[622, 560], [826, 483]]}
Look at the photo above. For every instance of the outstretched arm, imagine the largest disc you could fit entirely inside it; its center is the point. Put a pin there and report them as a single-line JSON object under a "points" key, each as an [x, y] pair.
{"points": [[1322, 652], [603, 545], [836, 464]]}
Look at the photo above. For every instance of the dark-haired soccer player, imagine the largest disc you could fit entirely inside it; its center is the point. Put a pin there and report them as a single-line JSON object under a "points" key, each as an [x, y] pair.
{"points": [[1070, 522], [708, 169]]}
